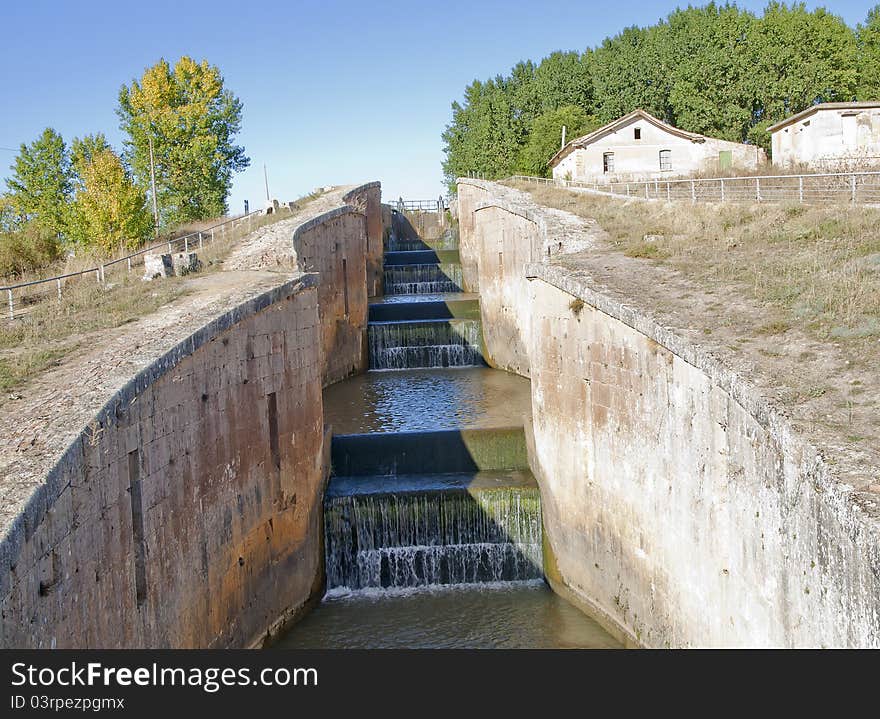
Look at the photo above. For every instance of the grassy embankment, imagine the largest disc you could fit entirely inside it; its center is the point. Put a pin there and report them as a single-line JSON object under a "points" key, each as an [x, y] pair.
{"points": [[813, 268], [51, 329]]}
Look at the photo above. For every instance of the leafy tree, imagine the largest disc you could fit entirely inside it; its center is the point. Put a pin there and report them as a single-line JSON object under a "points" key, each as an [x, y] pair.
{"points": [[800, 58], [27, 248], [109, 210], [193, 120], [546, 133], [868, 36], [630, 71], [564, 79], [710, 54], [41, 183]]}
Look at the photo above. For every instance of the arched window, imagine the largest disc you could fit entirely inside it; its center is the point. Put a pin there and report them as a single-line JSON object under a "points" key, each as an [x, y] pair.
{"points": [[665, 159]]}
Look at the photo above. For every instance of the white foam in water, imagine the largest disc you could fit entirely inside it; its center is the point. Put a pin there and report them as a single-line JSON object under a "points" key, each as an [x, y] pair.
{"points": [[435, 538], [341, 593], [422, 279], [422, 345]]}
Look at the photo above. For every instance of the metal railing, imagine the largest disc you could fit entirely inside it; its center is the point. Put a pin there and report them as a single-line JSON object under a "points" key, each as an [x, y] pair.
{"points": [[23, 295], [855, 188], [438, 205]]}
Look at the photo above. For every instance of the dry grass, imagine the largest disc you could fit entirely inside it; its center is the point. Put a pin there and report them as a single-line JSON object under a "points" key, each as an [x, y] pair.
{"points": [[819, 266], [51, 329]]}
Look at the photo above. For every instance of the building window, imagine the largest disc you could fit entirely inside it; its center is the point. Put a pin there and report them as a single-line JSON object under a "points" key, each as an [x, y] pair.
{"points": [[665, 159], [637, 133], [608, 162]]}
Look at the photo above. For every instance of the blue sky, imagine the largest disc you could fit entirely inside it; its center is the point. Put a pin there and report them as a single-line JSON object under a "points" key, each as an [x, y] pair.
{"points": [[333, 92]]}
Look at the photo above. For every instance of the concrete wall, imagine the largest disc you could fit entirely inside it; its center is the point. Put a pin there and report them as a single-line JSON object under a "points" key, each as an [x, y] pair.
{"points": [[367, 199], [335, 246], [187, 513], [681, 508], [174, 520], [639, 159], [830, 139]]}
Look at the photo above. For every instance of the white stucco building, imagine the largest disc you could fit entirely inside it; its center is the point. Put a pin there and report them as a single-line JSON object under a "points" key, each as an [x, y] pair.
{"points": [[829, 136], [638, 146]]}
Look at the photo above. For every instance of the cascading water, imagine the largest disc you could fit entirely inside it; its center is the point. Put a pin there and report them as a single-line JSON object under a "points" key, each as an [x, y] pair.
{"points": [[422, 279], [423, 344], [432, 518], [432, 538]]}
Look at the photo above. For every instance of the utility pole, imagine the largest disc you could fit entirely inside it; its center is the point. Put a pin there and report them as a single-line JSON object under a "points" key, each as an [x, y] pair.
{"points": [[266, 180], [563, 136], [153, 183]]}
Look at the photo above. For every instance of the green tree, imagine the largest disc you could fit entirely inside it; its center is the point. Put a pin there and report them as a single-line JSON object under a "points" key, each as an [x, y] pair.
{"points": [[109, 210], [485, 133], [800, 58], [546, 134], [193, 120], [630, 71], [868, 36], [41, 183], [564, 79], [710, 54]]}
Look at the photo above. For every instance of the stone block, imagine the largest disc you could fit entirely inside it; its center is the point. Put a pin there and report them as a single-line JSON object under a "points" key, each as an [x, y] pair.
{"points": [[185, 263], [157, 265]]}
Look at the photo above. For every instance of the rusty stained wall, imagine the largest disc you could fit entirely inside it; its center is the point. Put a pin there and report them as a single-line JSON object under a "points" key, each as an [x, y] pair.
{"points": [[187, 514]]}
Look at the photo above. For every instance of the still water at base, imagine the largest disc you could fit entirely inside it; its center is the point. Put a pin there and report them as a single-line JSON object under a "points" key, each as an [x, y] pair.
{"points": [[516, 615]]}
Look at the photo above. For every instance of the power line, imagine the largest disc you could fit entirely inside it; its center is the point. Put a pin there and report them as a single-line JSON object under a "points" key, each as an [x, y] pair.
{"points": [[9, 149]]}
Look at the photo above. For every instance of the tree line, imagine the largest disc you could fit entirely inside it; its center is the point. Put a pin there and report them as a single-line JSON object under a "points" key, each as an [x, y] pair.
{"points": [[717, 70], [89, 196]]}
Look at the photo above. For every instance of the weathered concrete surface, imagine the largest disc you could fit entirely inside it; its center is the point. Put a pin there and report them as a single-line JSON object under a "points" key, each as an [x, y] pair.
{"points": [[499, 236], [344, 245], [681, 505], [334, 245], [170, 496], [367, 200]]}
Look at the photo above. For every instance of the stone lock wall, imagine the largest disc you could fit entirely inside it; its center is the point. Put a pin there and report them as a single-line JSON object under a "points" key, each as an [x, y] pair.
{"points": [[334, 246], [188, 512], [367, 200], [680, 507], [185, 515]]}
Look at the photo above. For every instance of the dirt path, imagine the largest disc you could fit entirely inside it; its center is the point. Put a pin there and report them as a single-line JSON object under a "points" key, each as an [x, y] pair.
{"points": [[42, 418]]}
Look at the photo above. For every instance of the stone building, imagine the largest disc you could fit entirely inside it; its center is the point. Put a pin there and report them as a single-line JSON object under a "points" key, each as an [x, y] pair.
{"points": [[638, 146], [829, 136]]}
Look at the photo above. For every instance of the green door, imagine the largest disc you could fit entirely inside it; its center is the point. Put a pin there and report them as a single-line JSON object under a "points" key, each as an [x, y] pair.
{"points": [[725, 159]]}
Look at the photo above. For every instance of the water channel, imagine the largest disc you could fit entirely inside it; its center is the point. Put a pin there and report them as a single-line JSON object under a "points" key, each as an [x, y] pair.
{"points": [[432, 519]]}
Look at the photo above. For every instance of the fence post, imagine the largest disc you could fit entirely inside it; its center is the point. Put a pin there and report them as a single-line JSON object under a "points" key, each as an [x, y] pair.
{"points": [[627, 189], [693, 191], [101, 275], [58, 281], [212, 234], [668, 192], [128, 261], [646, 190], [852, 183], [11, 306], [186, 244], [169, 247], [722, 189], [758, 189], [801, 189]]}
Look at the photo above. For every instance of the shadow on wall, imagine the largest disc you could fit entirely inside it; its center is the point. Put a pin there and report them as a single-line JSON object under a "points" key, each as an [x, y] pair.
{"points": [[410, 509]]}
